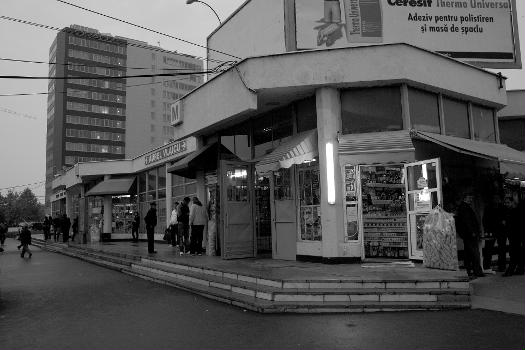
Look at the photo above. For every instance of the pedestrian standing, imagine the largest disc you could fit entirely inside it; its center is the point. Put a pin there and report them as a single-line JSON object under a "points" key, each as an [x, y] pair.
{"points": [[135, 227], [198, 219], [151, 222], [65, 226], [56, 227], [174, 226], [25, 241], [3, 232], [468, 228], [516, 228], [183, 217], [494, 227], [74, 228], [46, 227]]}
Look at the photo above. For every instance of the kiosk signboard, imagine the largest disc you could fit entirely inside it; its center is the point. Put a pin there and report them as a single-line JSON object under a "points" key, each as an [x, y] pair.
{"points": [[482, 32]]}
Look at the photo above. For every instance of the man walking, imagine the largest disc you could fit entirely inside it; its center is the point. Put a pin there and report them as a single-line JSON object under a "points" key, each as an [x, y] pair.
{"points": [[468, 228], [151, 222], [25, 241]]}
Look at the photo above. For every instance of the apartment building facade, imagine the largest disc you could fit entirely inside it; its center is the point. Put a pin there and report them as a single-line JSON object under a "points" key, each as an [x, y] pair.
{"points": [[94, 113]]}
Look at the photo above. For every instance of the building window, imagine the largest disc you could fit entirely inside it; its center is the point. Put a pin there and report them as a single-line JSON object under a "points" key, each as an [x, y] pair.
{"points": [[371, 110], [306, 115], [152, 103], [483, 119], [152, 115], [153, 92], [424, 110], [456, 118], [152, 127]]}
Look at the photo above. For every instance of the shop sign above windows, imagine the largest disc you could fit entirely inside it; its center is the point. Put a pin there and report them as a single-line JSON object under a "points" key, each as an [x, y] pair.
{"points": [[172, 150]]}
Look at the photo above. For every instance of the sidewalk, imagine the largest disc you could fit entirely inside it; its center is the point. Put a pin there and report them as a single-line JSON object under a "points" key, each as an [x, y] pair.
{"points": [[494, 292]]}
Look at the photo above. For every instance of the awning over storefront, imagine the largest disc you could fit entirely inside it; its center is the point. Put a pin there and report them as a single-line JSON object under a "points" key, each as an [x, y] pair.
{"points": [[299, 149], [112, 187], [511, 161], [202, 159]]}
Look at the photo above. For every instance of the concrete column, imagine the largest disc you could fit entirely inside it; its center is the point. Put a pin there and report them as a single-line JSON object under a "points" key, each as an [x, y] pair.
{"points": [[328, 102], [108, 211], [169, 207]]}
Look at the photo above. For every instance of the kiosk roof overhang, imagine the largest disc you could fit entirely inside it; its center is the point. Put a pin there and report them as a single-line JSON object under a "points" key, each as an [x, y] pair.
{"points": [[258, 84]]}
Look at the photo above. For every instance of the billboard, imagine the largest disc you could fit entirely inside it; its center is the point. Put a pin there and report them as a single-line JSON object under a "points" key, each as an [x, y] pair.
{"points": [[483, 32]]}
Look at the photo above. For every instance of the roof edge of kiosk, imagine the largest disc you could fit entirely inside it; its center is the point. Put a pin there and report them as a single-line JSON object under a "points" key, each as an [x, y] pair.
{"points": [[260, 83]]}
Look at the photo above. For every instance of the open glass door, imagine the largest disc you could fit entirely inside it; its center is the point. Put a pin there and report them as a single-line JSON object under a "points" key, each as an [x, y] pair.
{"points": [[423, 193], [284, 215], [237, 210]]}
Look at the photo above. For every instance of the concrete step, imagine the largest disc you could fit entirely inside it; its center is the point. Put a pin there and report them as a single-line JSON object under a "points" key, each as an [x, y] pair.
{"points": [[267, 306], [269, 295], [375, 284], [305, 294]]}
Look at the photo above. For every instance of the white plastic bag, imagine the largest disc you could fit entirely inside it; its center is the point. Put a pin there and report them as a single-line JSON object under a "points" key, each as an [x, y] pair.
{"points": [[439, 241]]}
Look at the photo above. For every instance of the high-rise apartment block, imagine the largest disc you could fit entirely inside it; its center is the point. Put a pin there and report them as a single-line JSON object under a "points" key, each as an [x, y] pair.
{"points": [[95, 111]]}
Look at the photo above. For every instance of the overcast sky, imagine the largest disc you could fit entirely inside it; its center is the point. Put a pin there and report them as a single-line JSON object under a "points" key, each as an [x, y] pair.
{"points": [[22, 136]]}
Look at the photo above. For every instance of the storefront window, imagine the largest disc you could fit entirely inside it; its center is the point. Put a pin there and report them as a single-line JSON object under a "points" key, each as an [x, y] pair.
{"points": [[456, 118], [306, 114], [142, 182], [182, 187], [161, 182], [309, 202], [484, 128], [237, 184], [124, 208], [152, 180], [271, 129], [384, 211], [282, 185], [371, 110], [424, 110], [351, 204]]}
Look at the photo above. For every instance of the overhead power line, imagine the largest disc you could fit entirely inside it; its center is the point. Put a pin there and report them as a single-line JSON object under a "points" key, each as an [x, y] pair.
{"points": [[64, 92], [73, 31], [26, 185], [10, 111], [146, 28], [89, 65], [103, 77]]}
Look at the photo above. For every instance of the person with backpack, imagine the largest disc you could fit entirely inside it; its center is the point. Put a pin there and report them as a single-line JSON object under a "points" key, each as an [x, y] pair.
{"points": [[198, 219], [183, 218]]}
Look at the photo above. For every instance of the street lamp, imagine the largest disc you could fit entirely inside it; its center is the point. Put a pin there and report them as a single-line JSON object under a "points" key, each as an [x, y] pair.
{"points": [[202, 2]]}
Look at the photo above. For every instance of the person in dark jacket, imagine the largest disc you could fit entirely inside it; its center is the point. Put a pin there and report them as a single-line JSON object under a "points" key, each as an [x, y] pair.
{"points": [[151, 222], [74, 228], [25, 241], [65, 225], [3, 232], [135, 227], [46, 227], [468, 228], [494, 227], [56, 227], [183, 217], [516, 228]]}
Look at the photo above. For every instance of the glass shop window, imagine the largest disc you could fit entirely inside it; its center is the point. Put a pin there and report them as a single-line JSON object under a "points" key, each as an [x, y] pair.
{"points": [[456, 118], [371, 110], [309, 202], [271, 129], [283, 184], [424, 110], [237, 184], [484, 128]]}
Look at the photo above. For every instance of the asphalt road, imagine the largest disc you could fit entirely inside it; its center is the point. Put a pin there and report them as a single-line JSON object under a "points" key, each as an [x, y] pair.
{"points": [[55, 302]]}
